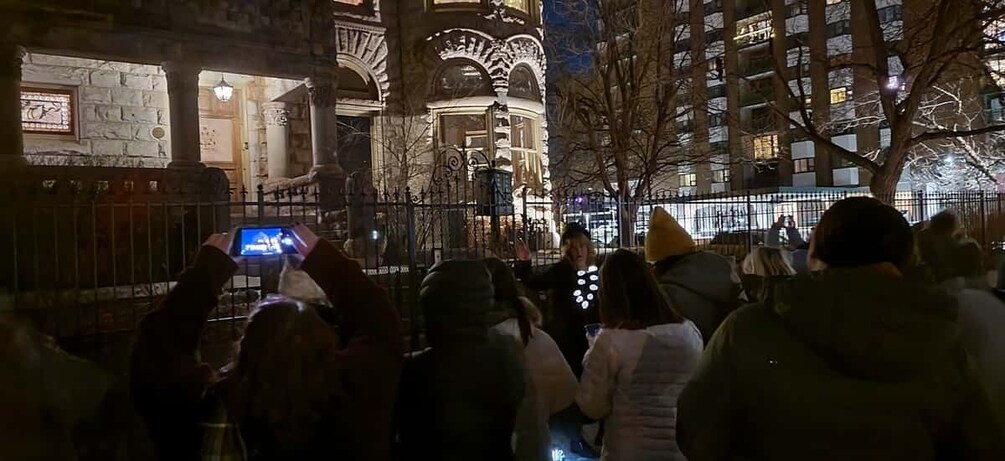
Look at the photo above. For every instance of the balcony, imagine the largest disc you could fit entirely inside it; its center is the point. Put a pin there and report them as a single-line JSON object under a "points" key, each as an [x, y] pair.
{"points": [[757, 66], [753, 97]]}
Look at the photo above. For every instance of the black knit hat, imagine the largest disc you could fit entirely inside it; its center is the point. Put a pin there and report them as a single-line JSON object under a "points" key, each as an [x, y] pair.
{"points": [[573, 229]]}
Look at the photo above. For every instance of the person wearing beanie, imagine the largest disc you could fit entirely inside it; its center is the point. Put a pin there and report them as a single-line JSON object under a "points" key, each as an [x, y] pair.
{"points": [[566, 317], [701, 285], [459, 397], [855, 361]]}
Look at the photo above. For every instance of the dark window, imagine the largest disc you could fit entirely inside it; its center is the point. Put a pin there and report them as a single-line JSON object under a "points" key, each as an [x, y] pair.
{"points": [[716, 120], [712, 7], [714, 36], [797, 40], [804, 165], [523, 84], [683, 44], [718, 91], [460, 80], [839, 28], [890, 14], [797, 8]]}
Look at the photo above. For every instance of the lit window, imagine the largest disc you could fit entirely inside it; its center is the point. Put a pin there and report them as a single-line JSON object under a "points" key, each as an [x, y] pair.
{"points": [[523, 84], [765, 147], [720, 176], [456, 2], [834, 2], [48, 111], [804, 165], [521, 5], [351, 2], [688, 180], [460, 136], [808, 103], [461, 80], [527, 167], [839, 95]]}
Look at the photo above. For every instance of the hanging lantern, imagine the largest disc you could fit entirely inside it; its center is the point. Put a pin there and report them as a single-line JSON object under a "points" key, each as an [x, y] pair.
{"points": [[223, 90]]}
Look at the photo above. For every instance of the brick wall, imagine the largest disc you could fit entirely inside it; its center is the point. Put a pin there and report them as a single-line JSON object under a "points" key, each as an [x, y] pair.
{"points": [[118, 107]]}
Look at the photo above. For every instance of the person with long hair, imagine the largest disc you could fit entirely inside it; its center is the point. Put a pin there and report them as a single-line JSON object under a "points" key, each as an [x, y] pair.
{"points": [[552, 385], [764, 268], [299, 388], [638, 363], [856, 361]]}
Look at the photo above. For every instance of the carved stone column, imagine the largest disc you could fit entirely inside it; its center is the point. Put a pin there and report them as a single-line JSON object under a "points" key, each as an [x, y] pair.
{"points": [[277, 138], [183, 101], [323, 124], [10, 98]]}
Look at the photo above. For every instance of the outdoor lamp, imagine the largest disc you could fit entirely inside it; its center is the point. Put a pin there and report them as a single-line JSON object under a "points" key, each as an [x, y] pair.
{"points": [[223, 90]]}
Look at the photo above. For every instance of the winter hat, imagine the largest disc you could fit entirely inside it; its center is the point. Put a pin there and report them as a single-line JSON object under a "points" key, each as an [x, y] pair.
{"points": [[456, 297], [573, 229], [666, 237]]}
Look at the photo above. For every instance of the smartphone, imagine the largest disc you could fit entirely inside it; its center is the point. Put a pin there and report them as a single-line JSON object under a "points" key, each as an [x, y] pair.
{"points": [[263, 241]]}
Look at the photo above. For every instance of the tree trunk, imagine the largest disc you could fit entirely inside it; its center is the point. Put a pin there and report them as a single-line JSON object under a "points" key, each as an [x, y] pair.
{"points": [[627, 216], [884, 185]]}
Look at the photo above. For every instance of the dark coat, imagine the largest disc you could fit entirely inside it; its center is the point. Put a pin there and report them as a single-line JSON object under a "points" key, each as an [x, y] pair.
{"points": [[565, 319], [169, 382], [459, 398], [702, 286], [849, 364]]}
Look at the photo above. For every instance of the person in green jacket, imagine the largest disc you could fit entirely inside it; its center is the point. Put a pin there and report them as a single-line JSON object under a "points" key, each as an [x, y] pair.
{"points": [[855, 362]]}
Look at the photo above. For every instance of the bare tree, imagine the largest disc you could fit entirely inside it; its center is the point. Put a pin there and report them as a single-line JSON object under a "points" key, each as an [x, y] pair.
{"points": [[622, 118], [918, 71]]}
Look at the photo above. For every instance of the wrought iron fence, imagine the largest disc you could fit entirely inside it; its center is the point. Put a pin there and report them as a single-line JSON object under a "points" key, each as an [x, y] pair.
{"points": [[88, 260]]}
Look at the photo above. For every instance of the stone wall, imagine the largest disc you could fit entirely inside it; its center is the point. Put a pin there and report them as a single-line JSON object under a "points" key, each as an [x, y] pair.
{"points": [[118, 107], [301, 157]]}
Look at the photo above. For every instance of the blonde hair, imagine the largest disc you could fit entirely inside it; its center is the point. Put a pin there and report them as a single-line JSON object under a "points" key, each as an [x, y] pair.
{"points": [[767, 262], [591, 252]]}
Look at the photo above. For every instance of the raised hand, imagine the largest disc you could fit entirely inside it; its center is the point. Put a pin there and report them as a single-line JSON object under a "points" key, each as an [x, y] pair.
{"points": [[223, 242], [304, 239], [522, 252]]}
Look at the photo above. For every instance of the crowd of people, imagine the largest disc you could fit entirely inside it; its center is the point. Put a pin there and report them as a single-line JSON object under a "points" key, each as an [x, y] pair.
{"points": [[870, 340]]}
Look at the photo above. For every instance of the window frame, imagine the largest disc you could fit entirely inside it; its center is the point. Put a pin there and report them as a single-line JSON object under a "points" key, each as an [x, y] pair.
{"points": [[804, 165], [721, 176], [758, 145], [436, 95], [538, 96], [472, 5], [536, 151], [439, 147], [687, 180], [843, 91], [73, 92], [532, 13]]}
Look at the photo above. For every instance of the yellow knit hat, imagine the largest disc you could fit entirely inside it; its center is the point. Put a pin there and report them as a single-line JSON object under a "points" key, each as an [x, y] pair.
{"points": [[666, 237]]}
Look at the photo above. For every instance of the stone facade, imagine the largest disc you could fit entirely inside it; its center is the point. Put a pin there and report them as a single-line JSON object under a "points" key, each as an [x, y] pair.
{"points": [[119, 106]]}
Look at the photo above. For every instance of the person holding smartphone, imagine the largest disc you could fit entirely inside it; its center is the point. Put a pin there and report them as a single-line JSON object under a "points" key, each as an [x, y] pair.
{"points": [[298, 389]]}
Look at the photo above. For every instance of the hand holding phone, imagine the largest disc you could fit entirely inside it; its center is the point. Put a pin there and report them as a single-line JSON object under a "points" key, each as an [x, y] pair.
{"points": [[263, 241]]}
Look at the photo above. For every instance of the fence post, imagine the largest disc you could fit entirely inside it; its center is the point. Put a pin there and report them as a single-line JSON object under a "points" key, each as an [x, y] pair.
{"points": [[984, 224], [525, 236], [750, 229], [413, 270]]}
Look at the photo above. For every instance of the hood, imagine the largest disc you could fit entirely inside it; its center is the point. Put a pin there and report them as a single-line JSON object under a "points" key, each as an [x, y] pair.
{"points": [[672, 334], [455, 298], [868, 325], [705, 273]]}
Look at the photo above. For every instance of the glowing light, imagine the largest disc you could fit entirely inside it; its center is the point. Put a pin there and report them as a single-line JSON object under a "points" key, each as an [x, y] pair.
{"points": [[581, 273], [557, 454], [579, 299], [581, 282], [589, 297], [375, 235], [577, 293], [586, 305], [594, 288], [592, 269], [223, 90], [594, 278]]}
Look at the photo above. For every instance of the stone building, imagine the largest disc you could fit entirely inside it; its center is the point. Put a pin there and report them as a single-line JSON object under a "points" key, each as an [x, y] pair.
{"points": [[391, 93]]}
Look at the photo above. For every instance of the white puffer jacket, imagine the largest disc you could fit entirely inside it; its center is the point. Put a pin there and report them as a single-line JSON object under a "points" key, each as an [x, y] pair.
{"points": [[631, 380]]}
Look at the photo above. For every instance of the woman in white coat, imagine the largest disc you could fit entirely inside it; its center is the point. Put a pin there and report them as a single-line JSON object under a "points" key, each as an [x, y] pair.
{"points": [[637, 364], [551, 386]]}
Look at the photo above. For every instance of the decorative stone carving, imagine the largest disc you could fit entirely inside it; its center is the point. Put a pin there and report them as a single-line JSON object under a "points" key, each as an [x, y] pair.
{"points": [[321, 91], [497, 56], [366, 45], [276, 115]]}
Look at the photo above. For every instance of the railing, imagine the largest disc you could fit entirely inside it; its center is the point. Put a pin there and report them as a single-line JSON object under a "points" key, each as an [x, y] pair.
{"points": [[89, 258]]}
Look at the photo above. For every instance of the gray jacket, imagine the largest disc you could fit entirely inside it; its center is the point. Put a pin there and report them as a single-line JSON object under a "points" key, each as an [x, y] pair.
{"points": [[701, 286]]}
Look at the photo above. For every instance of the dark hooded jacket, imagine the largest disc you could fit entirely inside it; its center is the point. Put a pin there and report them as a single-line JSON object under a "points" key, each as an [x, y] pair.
{"points": [[849, 364], [702, 286], [459, 398], [565, 319]]}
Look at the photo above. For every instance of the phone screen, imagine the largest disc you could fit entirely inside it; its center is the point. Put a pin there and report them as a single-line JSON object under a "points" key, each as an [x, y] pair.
{"points": [[263, 241]]}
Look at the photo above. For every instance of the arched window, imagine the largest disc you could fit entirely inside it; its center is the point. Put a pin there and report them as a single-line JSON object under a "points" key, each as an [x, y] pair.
{"points": [[355, 85], [460, 80], [523, 84], [525, 147]]}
